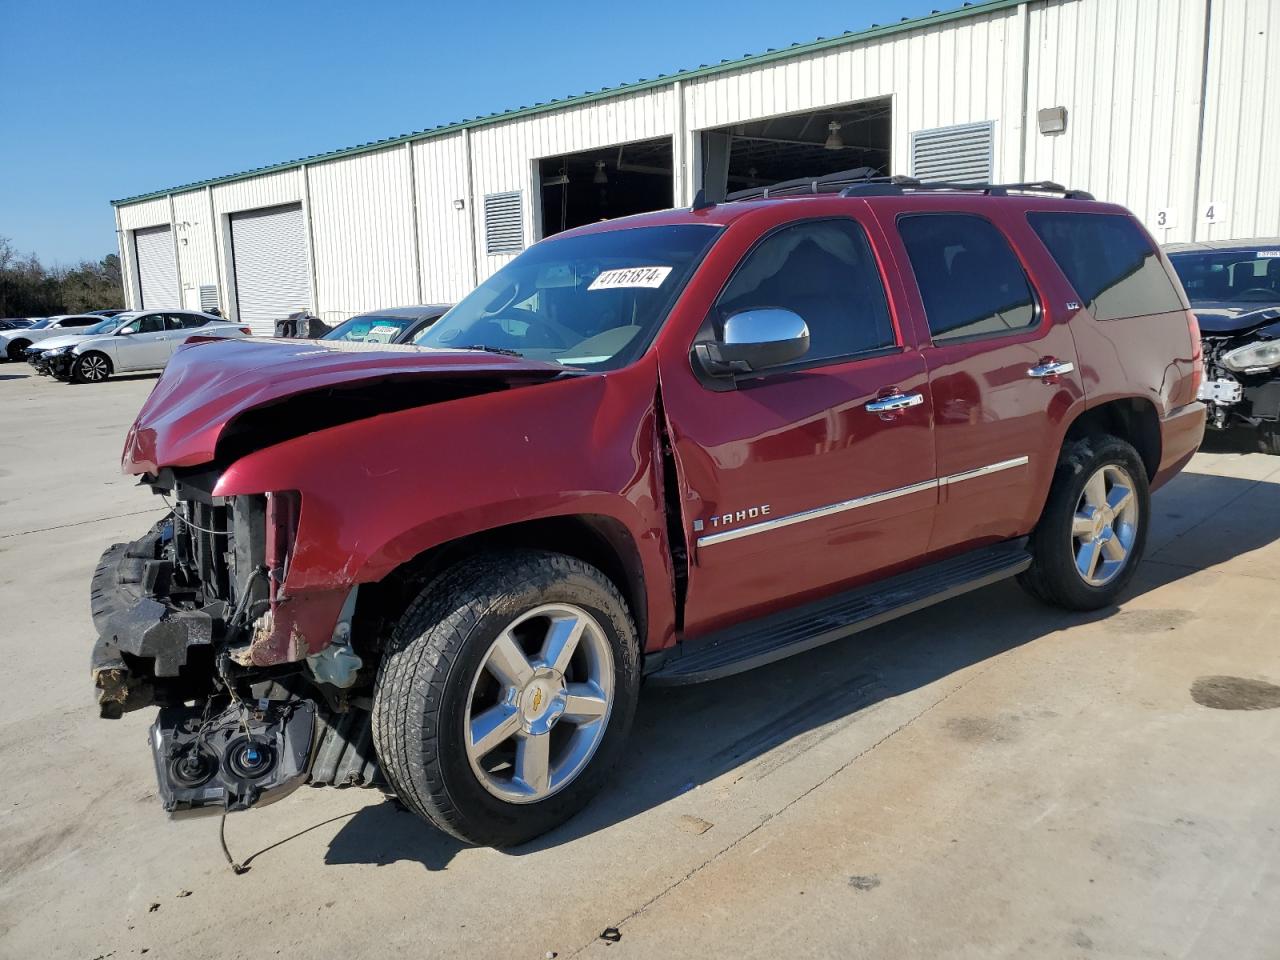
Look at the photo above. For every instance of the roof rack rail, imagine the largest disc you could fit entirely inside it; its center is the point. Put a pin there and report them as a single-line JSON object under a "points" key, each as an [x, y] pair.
{"points": [[807, 185], [863, 182]]}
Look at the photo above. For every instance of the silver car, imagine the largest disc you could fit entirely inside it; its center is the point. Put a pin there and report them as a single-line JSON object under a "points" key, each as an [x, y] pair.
{"points": [[14, 343], [144, 341]]}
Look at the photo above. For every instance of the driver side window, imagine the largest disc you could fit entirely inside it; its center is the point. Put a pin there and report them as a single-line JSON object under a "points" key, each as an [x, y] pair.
{"points": [[824, 271]]}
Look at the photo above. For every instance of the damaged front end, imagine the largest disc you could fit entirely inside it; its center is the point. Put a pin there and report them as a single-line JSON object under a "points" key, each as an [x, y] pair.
{"points": [[193, 618]]}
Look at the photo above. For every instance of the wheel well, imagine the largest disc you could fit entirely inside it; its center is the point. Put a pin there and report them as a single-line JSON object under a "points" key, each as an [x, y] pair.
{"points": [[598, 540], [1131, 419]]}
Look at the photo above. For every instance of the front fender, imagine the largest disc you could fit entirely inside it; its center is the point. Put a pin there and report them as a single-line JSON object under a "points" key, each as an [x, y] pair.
{"points": [[100, 344], [380, 491]]}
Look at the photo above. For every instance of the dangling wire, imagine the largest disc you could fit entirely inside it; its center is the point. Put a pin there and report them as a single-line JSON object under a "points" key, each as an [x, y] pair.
{"points": [[216, 533], [236, 868]]}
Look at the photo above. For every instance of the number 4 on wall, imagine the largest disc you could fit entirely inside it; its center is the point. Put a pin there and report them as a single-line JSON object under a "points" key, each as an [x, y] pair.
{"points": [[1214, 212]]}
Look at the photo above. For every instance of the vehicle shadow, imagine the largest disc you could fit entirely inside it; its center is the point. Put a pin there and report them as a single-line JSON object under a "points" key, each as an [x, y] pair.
{"points": [[1234, 440], [117, 378], [755, 723]]}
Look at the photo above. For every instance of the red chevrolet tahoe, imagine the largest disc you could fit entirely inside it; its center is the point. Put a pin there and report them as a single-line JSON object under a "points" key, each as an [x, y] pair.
{"points": [[672, 447]]}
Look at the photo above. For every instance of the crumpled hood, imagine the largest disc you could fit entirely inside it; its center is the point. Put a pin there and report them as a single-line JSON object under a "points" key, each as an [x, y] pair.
{"points": [[1219, 317], [209, 383], [68, 340]]}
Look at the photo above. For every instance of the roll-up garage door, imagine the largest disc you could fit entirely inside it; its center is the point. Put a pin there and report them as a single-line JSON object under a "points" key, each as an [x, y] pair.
{"points": [[157, 268], [269, 250]]}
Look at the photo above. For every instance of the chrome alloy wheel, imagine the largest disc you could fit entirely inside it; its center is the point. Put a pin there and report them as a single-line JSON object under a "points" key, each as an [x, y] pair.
{"points": [[94, 368], [1105, 525], [540, 703]]}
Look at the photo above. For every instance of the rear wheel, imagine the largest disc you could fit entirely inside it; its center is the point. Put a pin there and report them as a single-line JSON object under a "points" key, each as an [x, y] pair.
{"points": [[93, 367], [507, 695], [1093, 531]]}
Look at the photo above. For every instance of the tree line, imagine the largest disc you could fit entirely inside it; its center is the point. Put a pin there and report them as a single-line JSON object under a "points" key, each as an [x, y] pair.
{"points": [[30, 289]]}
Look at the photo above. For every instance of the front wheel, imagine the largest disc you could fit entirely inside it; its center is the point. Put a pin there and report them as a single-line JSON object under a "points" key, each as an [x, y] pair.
{"points": [[506, 695], [91, 368], [16, 349], [1093, 531]]}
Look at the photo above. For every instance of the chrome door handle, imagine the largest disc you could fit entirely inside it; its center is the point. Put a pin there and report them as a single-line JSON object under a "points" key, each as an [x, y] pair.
{"points": [[1050, 368], [897, 401]]}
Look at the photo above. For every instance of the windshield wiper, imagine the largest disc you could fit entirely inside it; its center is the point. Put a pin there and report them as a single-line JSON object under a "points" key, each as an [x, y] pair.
{"points": [[500, 350]]}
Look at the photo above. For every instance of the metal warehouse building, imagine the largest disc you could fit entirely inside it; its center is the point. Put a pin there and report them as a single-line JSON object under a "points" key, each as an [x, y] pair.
{"points": [[1171, 107]]}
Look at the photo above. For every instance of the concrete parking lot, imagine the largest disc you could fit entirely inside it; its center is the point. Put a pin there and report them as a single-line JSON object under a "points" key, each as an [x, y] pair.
{"points": [[987, 778]]}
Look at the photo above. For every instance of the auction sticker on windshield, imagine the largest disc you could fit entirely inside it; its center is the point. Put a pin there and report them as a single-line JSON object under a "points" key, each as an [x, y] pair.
{"points": [[650, 277]]}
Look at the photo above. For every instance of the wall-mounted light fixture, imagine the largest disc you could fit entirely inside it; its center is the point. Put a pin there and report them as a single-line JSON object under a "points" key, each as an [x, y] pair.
{"points": [[1052, 120], [834, 140]]}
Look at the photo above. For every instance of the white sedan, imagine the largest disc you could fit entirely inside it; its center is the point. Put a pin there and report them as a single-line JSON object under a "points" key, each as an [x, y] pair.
{"points": [[145, 341], [14, 342]]}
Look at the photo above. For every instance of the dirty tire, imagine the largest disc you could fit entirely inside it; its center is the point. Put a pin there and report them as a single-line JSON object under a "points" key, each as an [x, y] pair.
{"points": [[93, 367], [436, 649], [1053, 576]]}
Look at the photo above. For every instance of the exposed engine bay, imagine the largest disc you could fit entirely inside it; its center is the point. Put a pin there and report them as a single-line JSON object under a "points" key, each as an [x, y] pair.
{"points": [[178, 614], [1242, 379]]}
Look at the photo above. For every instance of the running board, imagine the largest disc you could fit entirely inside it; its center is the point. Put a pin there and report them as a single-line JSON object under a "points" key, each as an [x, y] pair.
{"points": [[753, 644]]}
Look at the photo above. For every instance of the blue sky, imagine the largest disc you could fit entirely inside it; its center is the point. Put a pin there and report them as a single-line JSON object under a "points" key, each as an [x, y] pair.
{"points": [[108, 99]]}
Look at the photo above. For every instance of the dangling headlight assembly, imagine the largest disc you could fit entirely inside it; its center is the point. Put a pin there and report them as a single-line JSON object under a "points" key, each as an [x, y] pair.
{"points": [[1253, 358]]}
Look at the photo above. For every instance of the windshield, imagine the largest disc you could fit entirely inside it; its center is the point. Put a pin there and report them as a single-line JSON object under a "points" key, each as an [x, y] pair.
{"points": [[595, 300], [1230, 276], [39, 324], [370, 329]]}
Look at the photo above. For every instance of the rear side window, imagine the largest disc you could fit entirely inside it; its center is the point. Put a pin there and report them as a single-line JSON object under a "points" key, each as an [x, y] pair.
{"points": [[824, 271], [185, 321], [1110, 263], [971, 282]]}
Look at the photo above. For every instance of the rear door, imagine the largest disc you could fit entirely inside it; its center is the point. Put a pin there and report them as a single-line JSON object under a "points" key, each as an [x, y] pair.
{"points": [[1002, 370], [178, 327], [794, 485]]}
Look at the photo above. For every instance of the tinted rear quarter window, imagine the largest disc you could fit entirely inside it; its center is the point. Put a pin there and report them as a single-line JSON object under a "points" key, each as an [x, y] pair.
{"points": [[1110, 263], [971, 282]]}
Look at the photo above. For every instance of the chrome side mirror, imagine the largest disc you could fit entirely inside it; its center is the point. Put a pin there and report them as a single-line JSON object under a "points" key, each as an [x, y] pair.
{"points": [[754, 340]]}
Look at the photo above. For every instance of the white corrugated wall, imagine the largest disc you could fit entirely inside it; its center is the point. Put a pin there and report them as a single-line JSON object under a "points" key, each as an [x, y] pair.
{"points": [[362, 230], [440, 178], [1240, 173], [197, 245], [1128, 72]]}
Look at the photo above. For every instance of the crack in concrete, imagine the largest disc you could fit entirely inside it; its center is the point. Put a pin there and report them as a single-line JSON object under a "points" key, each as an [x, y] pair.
{"points": [[76, 523], [769, 818]]}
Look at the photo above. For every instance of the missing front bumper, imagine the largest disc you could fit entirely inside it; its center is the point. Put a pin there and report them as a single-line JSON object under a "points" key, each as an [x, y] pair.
{"points": [[147, 651]]}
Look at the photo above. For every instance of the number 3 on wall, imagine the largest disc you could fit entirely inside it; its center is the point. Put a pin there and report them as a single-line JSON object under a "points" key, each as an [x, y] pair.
{"points": [[1166, 219]]}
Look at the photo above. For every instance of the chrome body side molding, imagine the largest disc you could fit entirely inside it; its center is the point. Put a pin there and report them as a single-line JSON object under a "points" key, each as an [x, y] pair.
{"points": [[776, 523]]}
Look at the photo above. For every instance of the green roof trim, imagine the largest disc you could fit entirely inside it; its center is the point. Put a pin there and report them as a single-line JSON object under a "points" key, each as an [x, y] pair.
{"points": [[875, 31]]}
